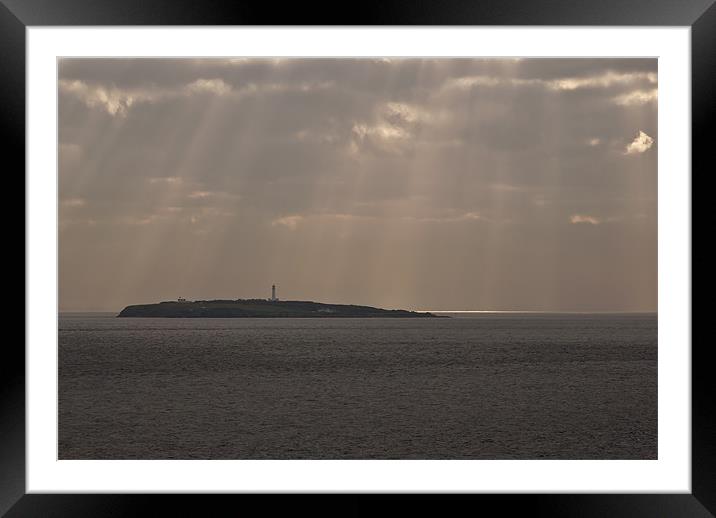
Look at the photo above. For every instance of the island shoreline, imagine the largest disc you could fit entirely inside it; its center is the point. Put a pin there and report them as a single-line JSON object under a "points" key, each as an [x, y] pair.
{"points": [[260, 308]]}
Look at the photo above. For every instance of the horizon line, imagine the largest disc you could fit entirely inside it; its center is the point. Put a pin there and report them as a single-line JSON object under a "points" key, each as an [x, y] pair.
{"points": [[531, 311], [462, 311]]}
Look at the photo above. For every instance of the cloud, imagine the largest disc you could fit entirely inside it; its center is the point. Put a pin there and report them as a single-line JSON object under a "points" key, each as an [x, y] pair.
{"points": [[392, 132], [139, 221], [167, 180], [118, 101], [215, 196], [290, 222], [380, 138], [200, 194], [467, 216], [321, 137], [70, 151], [418, 162], [73, 202], [608, 79], [601, 81], [212, 86], [637, 97], [293, 221], [641, 143], [113, 100], [577, 219], [402, 114]]}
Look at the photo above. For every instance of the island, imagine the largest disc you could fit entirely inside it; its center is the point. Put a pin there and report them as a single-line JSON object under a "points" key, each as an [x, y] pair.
{"points": [[263, 308]]}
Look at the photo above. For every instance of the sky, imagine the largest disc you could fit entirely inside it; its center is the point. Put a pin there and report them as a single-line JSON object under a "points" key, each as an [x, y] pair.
{"points": [[427, 184]]}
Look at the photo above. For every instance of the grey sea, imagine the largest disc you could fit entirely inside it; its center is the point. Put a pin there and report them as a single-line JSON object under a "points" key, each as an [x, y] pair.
{"points": [[483, 386]]}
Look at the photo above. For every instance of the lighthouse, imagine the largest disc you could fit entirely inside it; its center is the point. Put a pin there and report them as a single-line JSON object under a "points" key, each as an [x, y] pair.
{"points": [[273, 294]]}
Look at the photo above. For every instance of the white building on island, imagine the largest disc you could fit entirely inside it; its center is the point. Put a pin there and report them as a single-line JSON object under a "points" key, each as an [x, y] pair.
{"points": [[273, 298]]}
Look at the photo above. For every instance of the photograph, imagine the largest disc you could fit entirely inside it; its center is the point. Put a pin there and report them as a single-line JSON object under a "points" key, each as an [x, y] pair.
{"points": [[350, 258]]}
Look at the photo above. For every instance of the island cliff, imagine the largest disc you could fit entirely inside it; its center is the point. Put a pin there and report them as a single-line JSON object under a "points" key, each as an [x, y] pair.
{"points": [[260, 308]]}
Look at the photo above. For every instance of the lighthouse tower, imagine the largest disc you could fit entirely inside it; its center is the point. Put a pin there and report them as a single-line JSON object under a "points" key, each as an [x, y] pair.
{"points": [[273, 294]]}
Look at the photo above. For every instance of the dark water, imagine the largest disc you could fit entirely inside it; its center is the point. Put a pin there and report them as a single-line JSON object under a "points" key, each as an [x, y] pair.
{"points": [[484, 387]]}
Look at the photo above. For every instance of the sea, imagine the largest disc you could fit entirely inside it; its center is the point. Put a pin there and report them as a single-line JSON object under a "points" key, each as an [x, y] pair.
{"points": [[473, 386]]}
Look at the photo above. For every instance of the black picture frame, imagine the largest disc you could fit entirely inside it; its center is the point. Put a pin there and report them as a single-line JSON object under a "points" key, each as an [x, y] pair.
{"points": [[16, 15]]}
